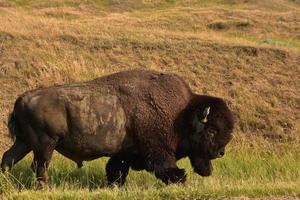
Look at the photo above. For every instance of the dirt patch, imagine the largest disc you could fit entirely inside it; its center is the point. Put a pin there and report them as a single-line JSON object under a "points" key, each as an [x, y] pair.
{"points": [[4, 36], [225, 25], [219, 25]]}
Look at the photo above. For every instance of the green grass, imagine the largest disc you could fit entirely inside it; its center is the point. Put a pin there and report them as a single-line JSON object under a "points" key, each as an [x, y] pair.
{"points": [[249, 169]]}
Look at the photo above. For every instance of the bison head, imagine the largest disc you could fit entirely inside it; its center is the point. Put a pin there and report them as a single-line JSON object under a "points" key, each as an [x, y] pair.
{"points": [[211, 129]]}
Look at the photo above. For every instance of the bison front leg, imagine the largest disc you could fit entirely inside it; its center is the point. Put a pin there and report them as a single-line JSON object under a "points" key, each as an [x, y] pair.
{"points": [[165, 168], [117, 170]]}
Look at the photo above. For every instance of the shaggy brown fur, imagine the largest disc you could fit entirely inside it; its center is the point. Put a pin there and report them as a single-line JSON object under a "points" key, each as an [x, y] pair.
{"points": [[141, 119]]}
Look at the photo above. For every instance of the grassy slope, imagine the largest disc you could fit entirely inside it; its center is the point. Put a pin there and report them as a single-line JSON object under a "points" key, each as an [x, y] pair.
{"points": [[244, 51]]}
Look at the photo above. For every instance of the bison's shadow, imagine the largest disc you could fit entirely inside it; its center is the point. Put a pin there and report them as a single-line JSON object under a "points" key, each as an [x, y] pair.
{"points": [[64, 174], [61, 173]]}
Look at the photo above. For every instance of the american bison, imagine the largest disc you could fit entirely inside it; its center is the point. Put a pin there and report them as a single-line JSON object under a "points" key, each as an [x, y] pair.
{"points": [[140, 119]]}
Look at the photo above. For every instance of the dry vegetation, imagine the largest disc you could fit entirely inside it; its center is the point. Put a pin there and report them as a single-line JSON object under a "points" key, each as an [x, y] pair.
{"points": [[246, 51]]}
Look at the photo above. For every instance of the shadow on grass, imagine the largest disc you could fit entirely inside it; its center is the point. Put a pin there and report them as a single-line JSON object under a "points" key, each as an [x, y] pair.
{"points": [[62, 173]]}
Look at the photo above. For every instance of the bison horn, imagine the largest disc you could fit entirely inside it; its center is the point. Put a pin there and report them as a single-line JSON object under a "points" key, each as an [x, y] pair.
{"points": [[200, 120], [205, 114]]}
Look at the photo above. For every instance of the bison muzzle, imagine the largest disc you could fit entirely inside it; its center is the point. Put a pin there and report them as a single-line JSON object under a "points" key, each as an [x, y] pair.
{"points": [[141, 119]]}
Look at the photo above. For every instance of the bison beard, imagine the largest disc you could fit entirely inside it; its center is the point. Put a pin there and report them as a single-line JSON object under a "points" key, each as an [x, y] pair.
{"points": [[144, 120]]}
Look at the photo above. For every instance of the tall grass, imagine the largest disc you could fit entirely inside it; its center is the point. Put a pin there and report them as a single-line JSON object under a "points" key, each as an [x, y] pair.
{"points": [[248, 169]]}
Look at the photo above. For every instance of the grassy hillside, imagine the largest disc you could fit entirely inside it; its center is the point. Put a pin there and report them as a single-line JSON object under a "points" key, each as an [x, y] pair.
{"points": [[245, 51]]}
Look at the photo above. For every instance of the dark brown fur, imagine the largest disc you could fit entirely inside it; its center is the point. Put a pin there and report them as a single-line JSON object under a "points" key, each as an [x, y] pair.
{"points": [[141, 119]]}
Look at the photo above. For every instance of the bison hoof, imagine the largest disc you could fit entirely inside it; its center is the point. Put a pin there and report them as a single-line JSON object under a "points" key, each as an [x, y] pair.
{"points": [[4, 168], [116, 183], [172, 175], [42, 185], [116, 179]]}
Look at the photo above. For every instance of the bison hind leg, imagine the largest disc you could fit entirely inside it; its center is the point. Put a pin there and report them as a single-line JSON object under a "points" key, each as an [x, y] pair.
{"points": [[42, 156], [40, 165], [17, 152]]}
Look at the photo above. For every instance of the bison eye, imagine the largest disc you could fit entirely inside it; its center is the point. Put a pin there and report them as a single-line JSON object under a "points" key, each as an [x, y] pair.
{"points": [[212, 132]]}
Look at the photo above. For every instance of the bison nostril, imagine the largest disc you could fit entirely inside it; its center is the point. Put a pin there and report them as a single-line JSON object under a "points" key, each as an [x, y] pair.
{"points": [[221, 153]]}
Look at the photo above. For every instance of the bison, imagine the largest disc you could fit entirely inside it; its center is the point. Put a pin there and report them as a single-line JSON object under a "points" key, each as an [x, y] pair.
{"points": [[141, 119]]}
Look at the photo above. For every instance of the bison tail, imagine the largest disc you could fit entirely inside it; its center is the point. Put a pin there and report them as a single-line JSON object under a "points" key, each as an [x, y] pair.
{"points": [[12, 126]]}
